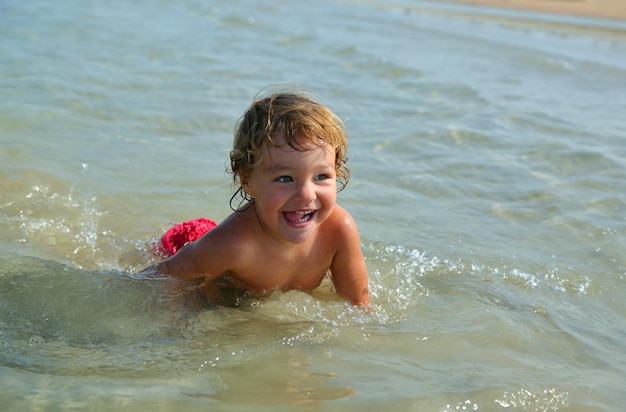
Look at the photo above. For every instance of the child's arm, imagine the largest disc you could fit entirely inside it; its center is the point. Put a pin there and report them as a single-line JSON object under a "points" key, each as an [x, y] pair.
{"points": [[180, 265], [200, 259], [348, 270]]}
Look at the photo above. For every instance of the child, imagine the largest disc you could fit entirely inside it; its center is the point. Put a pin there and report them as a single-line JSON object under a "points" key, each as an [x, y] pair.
{"points": [[287, 231]]}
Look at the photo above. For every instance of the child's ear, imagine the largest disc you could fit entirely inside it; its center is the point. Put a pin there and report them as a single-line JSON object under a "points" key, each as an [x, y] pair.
{"points": [[245, 185]]}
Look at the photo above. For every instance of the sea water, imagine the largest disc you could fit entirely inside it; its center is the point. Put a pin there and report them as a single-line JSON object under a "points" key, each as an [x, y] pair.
{"points": [[488, 160]]}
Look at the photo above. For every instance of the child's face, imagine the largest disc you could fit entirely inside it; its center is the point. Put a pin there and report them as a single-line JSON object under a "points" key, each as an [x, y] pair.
{"points": [[294, 191]]}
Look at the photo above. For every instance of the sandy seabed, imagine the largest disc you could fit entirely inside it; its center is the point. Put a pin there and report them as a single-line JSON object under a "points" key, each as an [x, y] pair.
{"points": [[607, 9]]}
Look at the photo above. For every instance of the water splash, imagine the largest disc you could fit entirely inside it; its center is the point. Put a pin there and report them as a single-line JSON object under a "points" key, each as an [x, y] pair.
{"points": [[550, 399]]}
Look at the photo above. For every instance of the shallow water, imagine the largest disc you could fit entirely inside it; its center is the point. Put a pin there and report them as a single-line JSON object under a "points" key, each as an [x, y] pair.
{"points": [[488, 181]]}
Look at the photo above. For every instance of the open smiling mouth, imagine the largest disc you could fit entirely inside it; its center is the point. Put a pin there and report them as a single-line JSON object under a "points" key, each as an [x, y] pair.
{"points": [[299, 217]]}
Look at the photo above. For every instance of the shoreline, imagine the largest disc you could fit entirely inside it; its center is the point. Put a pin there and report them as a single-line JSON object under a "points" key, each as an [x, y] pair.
{"points": [[605, 9]]}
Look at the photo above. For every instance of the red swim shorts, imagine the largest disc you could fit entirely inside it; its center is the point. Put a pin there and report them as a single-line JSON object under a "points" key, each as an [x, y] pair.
{"points": [[182, 233]]}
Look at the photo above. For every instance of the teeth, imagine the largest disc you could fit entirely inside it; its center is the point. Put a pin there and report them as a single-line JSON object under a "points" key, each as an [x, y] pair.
{"points": [[303, 216]]}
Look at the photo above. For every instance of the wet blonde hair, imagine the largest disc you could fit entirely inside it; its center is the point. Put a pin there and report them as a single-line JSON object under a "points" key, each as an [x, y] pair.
{"points": [[291, 116]]}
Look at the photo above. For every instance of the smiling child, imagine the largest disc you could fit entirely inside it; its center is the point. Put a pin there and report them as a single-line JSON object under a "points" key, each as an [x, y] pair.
{"points": [[288, 231]]}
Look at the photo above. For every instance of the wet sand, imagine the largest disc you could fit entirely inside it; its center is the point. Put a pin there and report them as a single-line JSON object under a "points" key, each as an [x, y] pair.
{"points": [[608, 9]]}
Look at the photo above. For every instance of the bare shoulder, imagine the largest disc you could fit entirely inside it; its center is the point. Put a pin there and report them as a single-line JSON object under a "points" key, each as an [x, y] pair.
{"points": [[228, 240], [219, 251], [341, 223], [342, 232]]}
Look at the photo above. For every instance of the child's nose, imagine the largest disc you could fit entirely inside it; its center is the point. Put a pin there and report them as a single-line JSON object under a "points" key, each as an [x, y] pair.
{"points": [[305, 192]]}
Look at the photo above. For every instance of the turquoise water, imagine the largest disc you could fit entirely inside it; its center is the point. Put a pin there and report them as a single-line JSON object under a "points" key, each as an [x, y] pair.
{"points": [[488, 164]]}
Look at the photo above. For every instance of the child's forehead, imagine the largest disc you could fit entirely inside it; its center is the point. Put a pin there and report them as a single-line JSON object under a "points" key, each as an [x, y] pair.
{"points": [[297, 147], [283, 151], [297, 141]]}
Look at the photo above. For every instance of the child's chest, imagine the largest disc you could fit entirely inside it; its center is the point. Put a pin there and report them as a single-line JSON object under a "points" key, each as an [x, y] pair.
{"points": [[301, 268], [274, 277]]}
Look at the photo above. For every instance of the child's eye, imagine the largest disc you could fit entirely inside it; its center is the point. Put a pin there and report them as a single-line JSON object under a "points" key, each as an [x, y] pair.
{"points": [[284, 179], [321, 177]]}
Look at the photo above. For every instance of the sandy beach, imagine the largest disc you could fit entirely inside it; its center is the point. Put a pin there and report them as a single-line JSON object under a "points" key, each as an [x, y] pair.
{"points": [[608, 9]]}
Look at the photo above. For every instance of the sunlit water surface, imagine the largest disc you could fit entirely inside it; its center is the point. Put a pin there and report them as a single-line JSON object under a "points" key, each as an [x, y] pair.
{"points": [[488, 165]]}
